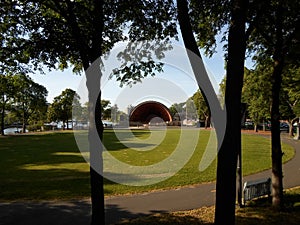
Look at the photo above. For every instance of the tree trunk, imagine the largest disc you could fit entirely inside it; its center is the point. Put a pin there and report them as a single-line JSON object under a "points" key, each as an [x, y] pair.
{"points": [[95, 136], [207, 121], [94, 88], [24, 123], [239, 179], [2, 117], [297, 136], [231, 146], [291, 129], [227, 157], [255, 127], [189, 40], [277, 183], [96, 170]]}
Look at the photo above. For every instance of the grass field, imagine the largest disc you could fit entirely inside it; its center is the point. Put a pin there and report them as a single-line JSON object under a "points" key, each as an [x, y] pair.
{"points": [[50, 166]]}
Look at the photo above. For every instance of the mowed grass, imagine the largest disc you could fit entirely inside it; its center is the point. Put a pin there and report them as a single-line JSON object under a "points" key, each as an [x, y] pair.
{"points": [[50, 165]]}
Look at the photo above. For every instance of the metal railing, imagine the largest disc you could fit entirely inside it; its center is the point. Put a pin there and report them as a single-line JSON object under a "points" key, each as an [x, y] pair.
{"points": [[257, 188]]}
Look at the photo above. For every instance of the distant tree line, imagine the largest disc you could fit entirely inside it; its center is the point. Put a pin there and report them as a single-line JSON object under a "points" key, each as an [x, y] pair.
{"points": [[23, 104], [22, 101]]}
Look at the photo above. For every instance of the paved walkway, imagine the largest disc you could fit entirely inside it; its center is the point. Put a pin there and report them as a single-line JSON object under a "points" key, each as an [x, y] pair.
{"points": [[117, 208]]}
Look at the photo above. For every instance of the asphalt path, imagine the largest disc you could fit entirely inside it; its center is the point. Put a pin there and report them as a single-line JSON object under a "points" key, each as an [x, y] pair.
{"points": [[132, 206]]}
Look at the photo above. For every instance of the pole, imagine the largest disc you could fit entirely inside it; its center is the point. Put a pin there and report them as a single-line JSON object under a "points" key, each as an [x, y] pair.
{"points": [[239, 179]]}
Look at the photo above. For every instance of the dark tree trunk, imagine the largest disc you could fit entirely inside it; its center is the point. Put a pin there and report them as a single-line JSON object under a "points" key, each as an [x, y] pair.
{"points": [[231, 146], [239, 179], [207, 121], [291, 129], [189, 39], [95, 137], [94, 88], [24, 123], [2, 117], [96, 168], [277, 186], [90, 51], [277, 183]]}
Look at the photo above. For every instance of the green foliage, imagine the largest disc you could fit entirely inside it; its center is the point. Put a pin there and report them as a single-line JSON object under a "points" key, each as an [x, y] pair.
{"points": [[201, 106], [291, 88], [269, 19], [6, 97], [63, 105], [209, 18], [29, 99], [257, 92], [60, 33], [105, 109]]}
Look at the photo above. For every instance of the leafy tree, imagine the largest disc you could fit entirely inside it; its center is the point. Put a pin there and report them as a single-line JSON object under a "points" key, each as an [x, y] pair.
{"points": [[202, 108], [272, 32], [105, 109], [63, 105], [115, 113], [60, 33], [6, 95], [208, 19], [29, 99], [190, 109], [257, 94], [291, 95], [276, 37]]}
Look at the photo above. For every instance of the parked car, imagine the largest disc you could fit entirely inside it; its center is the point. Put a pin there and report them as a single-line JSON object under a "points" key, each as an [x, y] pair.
{"points": [[13, 130], [284, 127], [107, 124], [249, 125]]}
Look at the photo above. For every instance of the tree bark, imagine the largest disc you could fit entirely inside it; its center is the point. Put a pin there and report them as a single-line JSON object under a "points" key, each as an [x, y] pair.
{"points": [[2, 116], [277, 183], [24, 121], [188, 36], [95, 136], [231, 146]]}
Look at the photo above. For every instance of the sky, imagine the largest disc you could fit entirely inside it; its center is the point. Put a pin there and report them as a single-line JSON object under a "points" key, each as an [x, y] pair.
{"points": [[174, 85]]}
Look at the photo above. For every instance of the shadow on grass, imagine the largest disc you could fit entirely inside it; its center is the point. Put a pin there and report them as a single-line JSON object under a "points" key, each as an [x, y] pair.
{"points": [[44, 167], [112, 142]]}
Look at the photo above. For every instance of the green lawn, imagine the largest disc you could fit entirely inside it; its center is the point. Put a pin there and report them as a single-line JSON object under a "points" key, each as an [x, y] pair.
{"points": [[50, 166]]}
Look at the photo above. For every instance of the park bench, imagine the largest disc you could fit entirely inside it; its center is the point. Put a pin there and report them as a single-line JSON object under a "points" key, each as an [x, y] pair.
{"points": [[257, 188]]}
